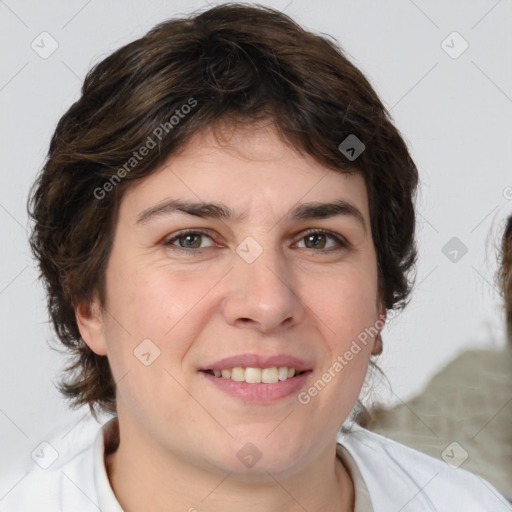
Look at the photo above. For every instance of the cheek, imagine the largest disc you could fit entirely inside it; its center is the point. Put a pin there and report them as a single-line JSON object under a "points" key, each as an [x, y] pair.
{"points": [[156, 316], [345, 304], [159, 301]]}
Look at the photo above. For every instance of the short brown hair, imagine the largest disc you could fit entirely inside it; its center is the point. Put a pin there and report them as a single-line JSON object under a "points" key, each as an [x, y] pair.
{"points": [[236, 62]]}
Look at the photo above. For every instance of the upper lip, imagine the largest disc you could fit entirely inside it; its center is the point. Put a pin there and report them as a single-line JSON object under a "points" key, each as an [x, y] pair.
{"points": [[258, 361]]}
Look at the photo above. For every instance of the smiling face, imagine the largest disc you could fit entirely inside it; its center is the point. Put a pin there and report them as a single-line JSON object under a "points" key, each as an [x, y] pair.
{"points": [[263, 276]]}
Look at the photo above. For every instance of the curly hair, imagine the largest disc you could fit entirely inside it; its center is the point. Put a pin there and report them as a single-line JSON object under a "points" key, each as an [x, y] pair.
{"points": [[235, 62]]}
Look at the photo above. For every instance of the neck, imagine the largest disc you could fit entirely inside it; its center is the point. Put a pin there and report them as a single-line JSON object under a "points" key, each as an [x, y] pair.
{"points": [[145, 477]]}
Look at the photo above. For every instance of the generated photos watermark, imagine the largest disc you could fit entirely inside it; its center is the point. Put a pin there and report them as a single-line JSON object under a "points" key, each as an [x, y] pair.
{"points": [[368, 334], [151, 142]]}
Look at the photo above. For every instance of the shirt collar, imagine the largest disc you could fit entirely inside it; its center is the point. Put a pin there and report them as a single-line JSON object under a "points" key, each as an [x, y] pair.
{"points": [[107, 438], [362, 500]]}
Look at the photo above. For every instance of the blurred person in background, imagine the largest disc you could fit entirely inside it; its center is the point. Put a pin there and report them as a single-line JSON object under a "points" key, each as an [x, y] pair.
{"points": [[464, 415]]}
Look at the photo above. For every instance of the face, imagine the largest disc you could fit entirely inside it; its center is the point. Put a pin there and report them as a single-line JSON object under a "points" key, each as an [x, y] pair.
{"points": [[194, 292]]}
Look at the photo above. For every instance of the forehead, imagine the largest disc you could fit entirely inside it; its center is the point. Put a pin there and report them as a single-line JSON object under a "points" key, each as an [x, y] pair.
{"points": [[251, 169]]}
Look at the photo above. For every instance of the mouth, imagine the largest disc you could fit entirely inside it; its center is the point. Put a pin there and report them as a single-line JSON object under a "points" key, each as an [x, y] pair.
{"points": [[258, 378], [254, 375], [258, 385]]}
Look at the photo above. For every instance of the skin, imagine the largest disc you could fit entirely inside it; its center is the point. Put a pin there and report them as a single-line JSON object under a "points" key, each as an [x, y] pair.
{"points": [[307, 297]]}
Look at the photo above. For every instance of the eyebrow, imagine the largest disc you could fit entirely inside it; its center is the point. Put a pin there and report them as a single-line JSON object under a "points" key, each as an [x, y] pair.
{"points": [[220, 211]]}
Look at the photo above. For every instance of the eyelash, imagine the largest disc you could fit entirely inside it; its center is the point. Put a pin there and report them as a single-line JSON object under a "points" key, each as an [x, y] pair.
{"points": [[343, 244]]}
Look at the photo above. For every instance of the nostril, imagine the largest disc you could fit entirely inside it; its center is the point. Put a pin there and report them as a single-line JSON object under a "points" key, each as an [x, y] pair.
{"points": [[246, 321]]}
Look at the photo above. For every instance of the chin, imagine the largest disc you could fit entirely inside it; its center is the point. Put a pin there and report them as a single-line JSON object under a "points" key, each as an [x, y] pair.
{"points": [[252, 456]]}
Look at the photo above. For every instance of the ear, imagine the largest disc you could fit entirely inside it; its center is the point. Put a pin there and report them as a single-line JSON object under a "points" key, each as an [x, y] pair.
{"points": [[90, 321], [379, 324]]}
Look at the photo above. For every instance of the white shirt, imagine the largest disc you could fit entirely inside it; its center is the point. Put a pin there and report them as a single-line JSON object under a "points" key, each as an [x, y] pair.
{"points": [[387, 476]]}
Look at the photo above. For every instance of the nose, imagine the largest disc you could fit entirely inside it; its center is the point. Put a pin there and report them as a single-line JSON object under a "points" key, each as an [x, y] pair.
{"points": [[262, 294]]}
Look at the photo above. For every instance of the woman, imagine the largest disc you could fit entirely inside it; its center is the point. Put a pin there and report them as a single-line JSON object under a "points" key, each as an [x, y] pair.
{"points": [[223, 221]]}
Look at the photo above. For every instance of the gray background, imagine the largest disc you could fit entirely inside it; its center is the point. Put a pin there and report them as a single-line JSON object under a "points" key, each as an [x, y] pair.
{"points": [[455, 114]]}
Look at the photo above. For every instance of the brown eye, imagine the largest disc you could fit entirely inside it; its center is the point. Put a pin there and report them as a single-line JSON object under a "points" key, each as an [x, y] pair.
{"points": [[188, 240], [320, 240], [192, 241], [315, 241]]}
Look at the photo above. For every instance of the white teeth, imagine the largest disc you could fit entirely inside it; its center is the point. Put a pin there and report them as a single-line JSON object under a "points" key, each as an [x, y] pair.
{"points": [[238, 374], [253, 375], [283, 373], [256, 375], [269, 375]]}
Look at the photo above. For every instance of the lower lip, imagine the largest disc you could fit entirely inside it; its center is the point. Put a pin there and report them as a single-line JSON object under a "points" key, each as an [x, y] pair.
{"points": [[260, 392]]}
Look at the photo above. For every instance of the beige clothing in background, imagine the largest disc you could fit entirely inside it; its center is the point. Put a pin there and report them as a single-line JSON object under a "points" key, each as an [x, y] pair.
{"points": [[469, 403]]}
